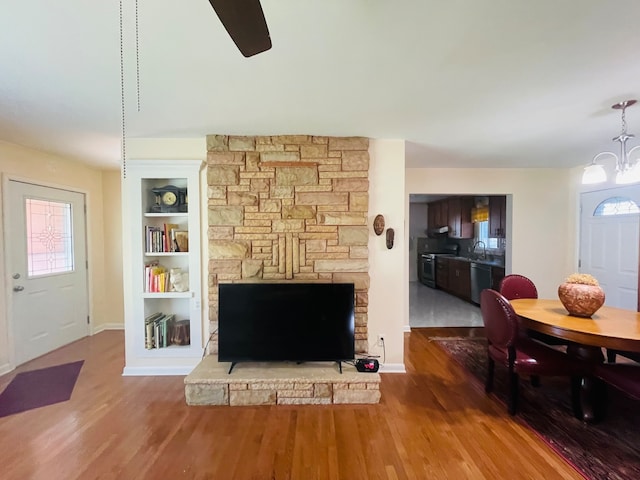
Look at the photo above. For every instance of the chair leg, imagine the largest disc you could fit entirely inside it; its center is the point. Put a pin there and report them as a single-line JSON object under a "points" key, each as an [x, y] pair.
{"points": [[611, 356], [513, 392], [488, 386], [535, 381]]}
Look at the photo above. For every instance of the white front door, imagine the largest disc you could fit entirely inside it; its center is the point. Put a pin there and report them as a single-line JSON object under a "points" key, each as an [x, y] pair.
{"points": [[609, 243], [48, 267]]}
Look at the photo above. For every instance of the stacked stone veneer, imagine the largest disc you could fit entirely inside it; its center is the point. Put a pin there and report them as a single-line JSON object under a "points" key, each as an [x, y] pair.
{"points": [[289, 208], [249, 384]]}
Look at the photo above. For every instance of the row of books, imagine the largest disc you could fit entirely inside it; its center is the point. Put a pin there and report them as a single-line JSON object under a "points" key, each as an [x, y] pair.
{"points": [[166, 239], [156, 278], [158, 330]]}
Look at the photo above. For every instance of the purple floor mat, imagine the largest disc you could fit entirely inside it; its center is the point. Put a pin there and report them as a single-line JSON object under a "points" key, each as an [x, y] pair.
{"points": [[39, 388]]}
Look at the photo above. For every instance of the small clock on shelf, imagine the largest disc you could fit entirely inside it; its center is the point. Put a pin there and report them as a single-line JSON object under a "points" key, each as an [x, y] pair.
{"points": [[169, 199]]}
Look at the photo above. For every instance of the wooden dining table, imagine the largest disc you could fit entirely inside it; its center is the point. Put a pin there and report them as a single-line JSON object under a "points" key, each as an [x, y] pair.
{"points": [[610, 327]]}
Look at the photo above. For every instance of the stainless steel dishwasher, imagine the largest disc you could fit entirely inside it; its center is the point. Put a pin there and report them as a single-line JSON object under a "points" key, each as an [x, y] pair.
{"points": [[480, 279]]}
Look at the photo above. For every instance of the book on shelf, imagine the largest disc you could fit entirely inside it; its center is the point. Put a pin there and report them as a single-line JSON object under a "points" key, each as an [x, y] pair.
{"points": [[169, 236], [156, 278], [158, 330], [161, 239], [148, 329], [181, 240]]}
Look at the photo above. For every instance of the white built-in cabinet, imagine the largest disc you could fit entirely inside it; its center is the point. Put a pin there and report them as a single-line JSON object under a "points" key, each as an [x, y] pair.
{"points": [[144, 355]]}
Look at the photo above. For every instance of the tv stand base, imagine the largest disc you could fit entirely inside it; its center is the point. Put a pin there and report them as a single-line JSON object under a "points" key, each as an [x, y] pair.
{"points": [[279, 383], [233, 364]]}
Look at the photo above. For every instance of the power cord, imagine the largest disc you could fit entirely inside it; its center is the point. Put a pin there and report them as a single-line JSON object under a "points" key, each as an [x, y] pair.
{"points": [[213, 334]]}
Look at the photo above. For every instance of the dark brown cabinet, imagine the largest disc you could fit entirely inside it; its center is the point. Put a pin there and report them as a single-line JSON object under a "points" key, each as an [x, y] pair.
{"points": [[460, 278], [460, 225], [497, 274], [497, 216], [442, 273], [437, 214]]}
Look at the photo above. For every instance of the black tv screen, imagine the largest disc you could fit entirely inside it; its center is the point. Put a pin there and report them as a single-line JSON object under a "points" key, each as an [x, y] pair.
{"points": [[286, 322]]}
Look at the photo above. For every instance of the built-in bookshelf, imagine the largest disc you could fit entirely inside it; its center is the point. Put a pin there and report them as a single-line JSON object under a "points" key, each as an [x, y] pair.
{"points": [[162, 267]]}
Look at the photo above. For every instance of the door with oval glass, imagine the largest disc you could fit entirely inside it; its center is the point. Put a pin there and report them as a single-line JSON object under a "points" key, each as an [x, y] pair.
{"points": [[609, 237], [47, 246]]}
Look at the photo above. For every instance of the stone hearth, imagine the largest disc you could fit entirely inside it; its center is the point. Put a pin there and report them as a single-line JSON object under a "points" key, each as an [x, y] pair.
{"points": [[315, 383]]}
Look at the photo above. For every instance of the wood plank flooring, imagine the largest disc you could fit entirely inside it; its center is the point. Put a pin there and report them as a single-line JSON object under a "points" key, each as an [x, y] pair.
{"points": [[432, 423]]}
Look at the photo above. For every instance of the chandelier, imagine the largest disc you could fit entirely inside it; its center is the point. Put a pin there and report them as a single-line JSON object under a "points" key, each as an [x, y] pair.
{"points": [[626, 171]]}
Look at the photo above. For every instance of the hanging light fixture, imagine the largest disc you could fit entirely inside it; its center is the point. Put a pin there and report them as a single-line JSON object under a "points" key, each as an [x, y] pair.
{"points": [[626, 171]]}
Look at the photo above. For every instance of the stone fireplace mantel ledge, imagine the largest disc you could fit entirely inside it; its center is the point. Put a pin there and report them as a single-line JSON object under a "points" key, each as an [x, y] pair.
{"points": [[279, 383]]}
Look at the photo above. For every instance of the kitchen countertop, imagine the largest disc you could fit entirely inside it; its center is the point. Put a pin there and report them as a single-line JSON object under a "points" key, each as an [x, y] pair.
{"points": [[492, 263]]}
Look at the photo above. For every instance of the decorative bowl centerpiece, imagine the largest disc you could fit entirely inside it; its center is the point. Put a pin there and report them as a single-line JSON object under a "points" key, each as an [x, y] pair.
{"points": [[581, 295]]}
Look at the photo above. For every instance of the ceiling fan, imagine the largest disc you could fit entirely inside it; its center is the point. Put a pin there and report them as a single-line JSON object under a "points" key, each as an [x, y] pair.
{"points": [[245, 24]]}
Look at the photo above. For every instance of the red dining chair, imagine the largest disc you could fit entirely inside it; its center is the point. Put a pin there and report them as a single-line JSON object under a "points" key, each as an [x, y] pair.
{"points": [[623, 376], [516, 286], [612, 354], [521, 356]]}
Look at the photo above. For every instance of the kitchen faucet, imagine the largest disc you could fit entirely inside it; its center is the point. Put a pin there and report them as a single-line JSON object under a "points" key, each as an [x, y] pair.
{"points": [[484, 249]]}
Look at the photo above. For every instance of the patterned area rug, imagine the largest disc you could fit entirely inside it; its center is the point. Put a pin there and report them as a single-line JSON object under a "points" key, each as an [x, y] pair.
{"points": [[38, 388], [607, 450]]}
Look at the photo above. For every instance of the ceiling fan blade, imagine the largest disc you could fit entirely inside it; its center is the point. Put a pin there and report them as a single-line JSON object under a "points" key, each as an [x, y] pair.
{"points": [[245, 23]]}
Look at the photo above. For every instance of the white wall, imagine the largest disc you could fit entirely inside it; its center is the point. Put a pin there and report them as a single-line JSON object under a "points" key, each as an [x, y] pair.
{"points": [[28, 164], [388, 272]]}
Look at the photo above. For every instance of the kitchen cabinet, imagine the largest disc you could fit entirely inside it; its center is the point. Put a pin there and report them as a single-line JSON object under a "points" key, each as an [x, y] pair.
{"points": [[460, 225], [497, 274], [497, 216], [437, 214], [460, 278], [442, 273]]}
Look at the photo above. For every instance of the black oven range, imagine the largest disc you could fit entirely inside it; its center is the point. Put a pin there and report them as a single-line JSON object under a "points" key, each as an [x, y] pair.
{"points": [[427, 263]]}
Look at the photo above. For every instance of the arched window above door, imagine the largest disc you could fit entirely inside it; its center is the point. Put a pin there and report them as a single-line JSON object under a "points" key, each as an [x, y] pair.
{"points": [[616, 206]]}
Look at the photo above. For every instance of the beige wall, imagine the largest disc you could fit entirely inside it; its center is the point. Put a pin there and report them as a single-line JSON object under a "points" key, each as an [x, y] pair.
{"points": [[111, 186], [388, 268], [542, 218], [28, 164]]}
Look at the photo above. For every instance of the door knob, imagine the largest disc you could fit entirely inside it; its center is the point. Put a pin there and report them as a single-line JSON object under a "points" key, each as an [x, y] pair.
{"points": [[18, 288]]}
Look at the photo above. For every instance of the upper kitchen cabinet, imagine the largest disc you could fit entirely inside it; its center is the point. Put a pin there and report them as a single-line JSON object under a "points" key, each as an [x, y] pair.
{"points": [[497, 216], [438, 214], [460, 225]]}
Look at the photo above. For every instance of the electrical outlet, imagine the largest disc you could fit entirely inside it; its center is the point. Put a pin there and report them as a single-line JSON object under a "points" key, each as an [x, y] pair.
{"points": [[381, 339]]}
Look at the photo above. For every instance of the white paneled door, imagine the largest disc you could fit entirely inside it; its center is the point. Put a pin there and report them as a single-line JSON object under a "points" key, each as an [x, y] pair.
{"points": [[48, 268], [609, 242]]}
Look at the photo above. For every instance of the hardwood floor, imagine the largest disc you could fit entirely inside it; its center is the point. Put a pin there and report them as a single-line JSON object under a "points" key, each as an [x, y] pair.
{"points": [[432, 423]]}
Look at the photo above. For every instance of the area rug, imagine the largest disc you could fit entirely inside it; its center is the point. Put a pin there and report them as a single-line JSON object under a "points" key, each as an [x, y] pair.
{"points": [[607, 450], [38, 388]]}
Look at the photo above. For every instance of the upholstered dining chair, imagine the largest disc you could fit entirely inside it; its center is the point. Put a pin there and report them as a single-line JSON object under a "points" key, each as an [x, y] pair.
{"points": [[623, 376], [521, 356], [612, 354], [515, 286]]}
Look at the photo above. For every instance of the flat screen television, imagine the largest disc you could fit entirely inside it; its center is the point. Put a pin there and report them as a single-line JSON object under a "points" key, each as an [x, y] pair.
{"points": [[300, 322]]}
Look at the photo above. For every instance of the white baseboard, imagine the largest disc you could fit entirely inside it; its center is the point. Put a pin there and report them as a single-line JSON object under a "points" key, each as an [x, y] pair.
{"points": [[108, 326], [155, 371], [392, 368], [406, 328], [6, 368]]}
